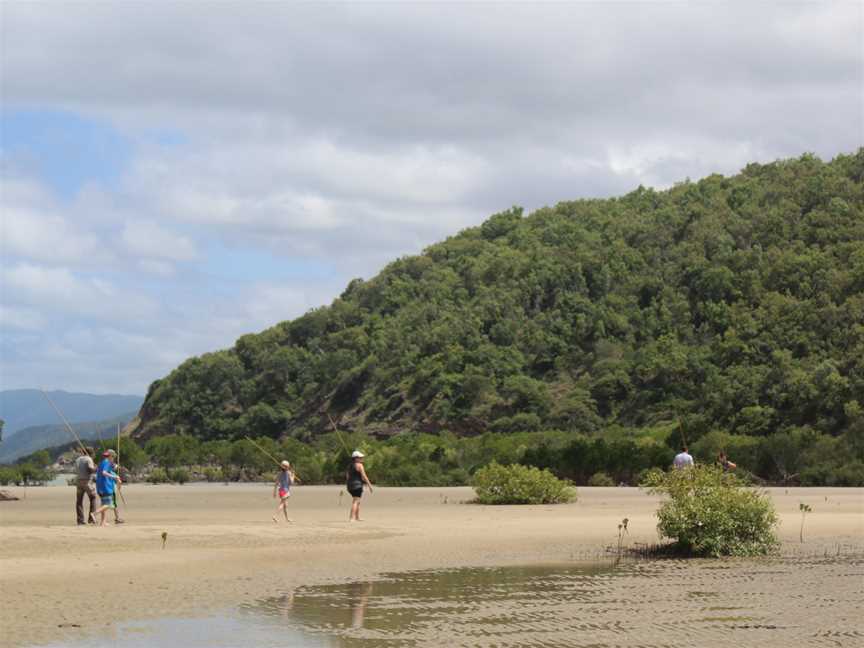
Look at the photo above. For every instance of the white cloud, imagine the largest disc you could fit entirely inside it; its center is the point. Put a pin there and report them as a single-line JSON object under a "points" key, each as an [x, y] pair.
{"points": [[417, 174], [152, 241], [158, 268], [33, 226], [58, 290], [649, 162], [21, 318]]}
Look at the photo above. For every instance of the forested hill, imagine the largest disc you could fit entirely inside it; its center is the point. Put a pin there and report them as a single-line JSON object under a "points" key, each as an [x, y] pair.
{"points": [[736, 304]]}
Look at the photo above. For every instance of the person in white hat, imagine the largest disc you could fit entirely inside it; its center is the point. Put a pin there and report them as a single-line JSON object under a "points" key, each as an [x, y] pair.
{"points": [[284, 479], [356, 478]]}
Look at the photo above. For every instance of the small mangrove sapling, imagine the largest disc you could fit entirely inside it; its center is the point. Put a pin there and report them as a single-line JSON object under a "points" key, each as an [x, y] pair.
{"points": [[805, 509]]}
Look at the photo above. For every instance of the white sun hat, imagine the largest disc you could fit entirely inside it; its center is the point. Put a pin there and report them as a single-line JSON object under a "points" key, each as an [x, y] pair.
{"points": [[356, 454], [285, 464]]}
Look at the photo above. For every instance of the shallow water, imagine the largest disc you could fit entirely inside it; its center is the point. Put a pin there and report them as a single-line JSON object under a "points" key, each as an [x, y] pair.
{"points": [[776, 602]]}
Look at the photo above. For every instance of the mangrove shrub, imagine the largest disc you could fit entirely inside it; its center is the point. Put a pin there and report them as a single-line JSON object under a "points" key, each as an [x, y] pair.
{"points": [[710, 513], [517, 484]]}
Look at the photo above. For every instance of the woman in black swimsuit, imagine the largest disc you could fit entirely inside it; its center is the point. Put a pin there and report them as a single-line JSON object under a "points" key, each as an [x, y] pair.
{"points": [[356, 478]]}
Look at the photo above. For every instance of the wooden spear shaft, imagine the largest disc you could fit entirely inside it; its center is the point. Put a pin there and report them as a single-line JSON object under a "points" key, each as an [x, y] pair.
{"points": [[120, 486], [278, 463], [65, 422], [336, 430]]}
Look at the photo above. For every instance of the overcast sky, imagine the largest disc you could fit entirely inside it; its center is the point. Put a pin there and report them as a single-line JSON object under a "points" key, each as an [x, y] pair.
{"points": [[176, 175]]}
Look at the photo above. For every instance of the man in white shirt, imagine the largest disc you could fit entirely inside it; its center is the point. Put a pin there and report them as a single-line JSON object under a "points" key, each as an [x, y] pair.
{"points": [[683, 459]]}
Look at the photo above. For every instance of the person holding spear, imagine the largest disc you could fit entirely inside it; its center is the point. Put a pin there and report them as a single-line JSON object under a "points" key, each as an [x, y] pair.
{"points": [[355, 479], [284, 479], [85, 469], [106, 479]]}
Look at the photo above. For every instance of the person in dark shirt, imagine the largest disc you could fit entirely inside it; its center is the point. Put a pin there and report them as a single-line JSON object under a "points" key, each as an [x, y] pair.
{"points": [[355, 479]]}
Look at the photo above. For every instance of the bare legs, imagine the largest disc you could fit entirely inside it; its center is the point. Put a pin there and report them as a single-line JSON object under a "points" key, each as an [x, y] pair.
{"points": [[355, 510], [283, 506], [103, 511]]}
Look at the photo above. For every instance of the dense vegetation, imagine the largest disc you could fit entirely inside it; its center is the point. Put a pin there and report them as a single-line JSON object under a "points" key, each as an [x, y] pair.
{"points": [[735, 305], [710, 513]]}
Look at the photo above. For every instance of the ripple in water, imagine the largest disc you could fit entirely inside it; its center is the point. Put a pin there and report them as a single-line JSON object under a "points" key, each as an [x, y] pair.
{"points": [[669, 603], [797, 602]]}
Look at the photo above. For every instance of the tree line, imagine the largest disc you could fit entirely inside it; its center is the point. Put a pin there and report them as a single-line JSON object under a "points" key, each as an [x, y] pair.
{"points": [[449, 460]]}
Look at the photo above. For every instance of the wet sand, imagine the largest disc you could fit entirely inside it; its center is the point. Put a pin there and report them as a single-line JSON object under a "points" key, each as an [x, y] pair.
{"points": [[223, 550]]}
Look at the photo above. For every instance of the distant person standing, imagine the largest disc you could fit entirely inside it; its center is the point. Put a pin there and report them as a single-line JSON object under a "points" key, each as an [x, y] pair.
{"points": [[683, 459], [106, 479], [356, 478], [285, 478], [85, 469], [724, 463]]}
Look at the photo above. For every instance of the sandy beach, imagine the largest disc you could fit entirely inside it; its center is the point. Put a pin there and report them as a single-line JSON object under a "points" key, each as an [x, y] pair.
{"points": [[223, 549]]}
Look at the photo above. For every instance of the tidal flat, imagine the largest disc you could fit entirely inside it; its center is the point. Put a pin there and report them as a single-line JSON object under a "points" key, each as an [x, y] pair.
{"points": [[423, 568]]}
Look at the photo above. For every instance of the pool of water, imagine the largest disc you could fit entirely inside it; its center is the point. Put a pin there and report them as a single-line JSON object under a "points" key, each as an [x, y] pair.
{"points": [[776, 602]]}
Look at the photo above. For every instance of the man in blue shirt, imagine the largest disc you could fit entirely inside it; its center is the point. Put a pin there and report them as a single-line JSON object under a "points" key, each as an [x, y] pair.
{"points": [[106, 478]]}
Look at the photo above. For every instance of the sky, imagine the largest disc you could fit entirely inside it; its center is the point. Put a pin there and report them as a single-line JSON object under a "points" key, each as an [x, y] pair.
{"points": [[176, 175]]}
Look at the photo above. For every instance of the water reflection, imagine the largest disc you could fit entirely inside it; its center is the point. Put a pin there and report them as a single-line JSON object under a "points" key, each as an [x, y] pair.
{"points": [[660, 603], [407, 608], [359, 597], [671, 603]]}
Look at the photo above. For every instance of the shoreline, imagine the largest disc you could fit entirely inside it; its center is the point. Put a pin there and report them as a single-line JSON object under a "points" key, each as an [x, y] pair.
{"points": [[222, 548]]}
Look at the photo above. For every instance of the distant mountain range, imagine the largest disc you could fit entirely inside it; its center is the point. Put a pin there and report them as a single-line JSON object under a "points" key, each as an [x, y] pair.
{"points": [[38, 437], [25, 408]]}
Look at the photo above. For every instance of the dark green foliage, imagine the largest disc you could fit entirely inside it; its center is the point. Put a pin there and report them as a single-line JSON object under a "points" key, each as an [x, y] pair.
{"points": [[601, 479], [710, 513], [212, 474], [132, 456], [174, 450], [32, 469], [33, 473], [158, 476], [735, 304], [516, 484], [178, 475], [622, 459], [9, 475]]}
